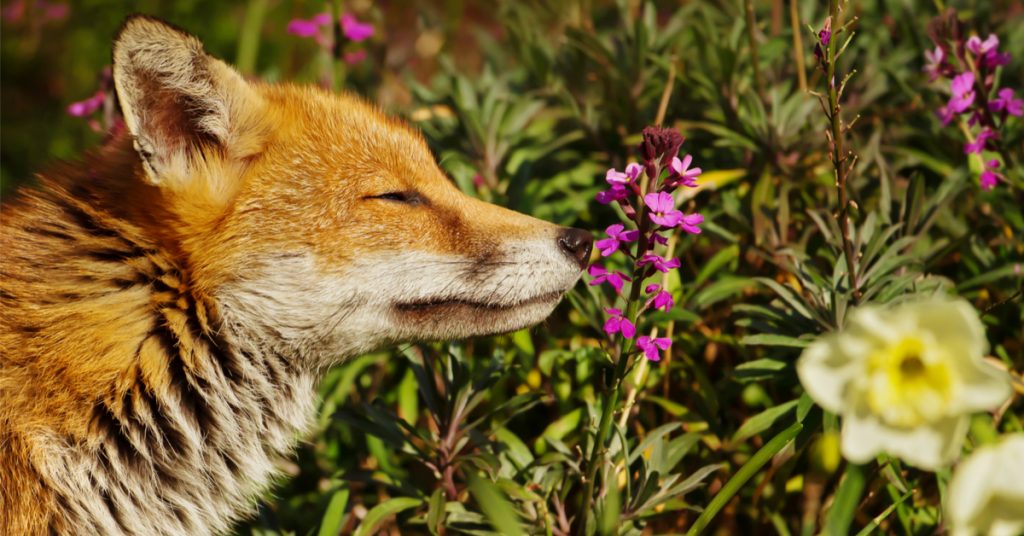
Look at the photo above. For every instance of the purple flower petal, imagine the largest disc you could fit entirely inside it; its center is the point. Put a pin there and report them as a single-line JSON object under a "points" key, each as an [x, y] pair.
{"points": [[303, 28], [355, 30], [607, 246], [690, 223], [355, 57], [633, 170]]}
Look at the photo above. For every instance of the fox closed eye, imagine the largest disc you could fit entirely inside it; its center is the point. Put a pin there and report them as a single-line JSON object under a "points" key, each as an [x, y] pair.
{"points": [[407, 197]]}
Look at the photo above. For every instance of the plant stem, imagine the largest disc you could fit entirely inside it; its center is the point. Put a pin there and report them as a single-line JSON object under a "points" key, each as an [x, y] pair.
{"points": [[611, 400], [838, 155], [249, 37], [798, 45], [752, 42], [336, 62]]}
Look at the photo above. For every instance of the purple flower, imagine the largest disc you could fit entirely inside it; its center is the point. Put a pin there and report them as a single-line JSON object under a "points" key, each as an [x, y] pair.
{"points": [[682, 173], [988, 51], [304, 27], [659, 262], [824, 38], [935, 61], [659, 141], [617, 323], [651, 346], [946, 115], [989, 178], [662, 207], [662, 300], [87, 107], [657, 238], [1005, 101], [633, 171], [979, 47], [616, 193], [979, 143], [355, 30], [962, 87], [996, 59], [355, 57], [616, 279], [616, 235], [690, 223]]}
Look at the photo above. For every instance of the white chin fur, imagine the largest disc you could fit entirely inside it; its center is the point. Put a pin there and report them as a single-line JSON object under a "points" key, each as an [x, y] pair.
{"points": [[292, 304]]}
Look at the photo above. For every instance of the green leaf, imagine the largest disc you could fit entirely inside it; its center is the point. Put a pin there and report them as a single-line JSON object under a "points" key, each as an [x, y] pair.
{"points": [[763, 421], [496, 507], [376, 516], [870, 527], [847, 497], [334, 516], [745, 473], [767, 339], [435, 512]]}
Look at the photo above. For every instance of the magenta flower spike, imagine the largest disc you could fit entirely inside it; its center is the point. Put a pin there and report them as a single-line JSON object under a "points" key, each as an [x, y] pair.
{"points": [[617, 192], [934, 63], [617, 323], [662, 300], [651, 346], [683, 173], [87, 107], [303, 28], [1004, 102], [616, 235], [355, 57], [659, 262], [962, 87], [989, 178], [979, 142], [663, 210], [981, 48], [355, 30], [601, 275], [690, 223]]}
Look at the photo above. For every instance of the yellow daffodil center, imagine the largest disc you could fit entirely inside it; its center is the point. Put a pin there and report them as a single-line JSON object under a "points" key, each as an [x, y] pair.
{"points": [[910, 383]]}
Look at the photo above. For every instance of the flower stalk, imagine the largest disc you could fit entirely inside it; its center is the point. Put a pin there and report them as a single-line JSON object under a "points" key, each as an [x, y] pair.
{"points": [[843, 160], [644, 193]]}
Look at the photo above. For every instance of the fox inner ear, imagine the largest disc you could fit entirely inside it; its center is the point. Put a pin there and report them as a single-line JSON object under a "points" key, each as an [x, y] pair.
{"points": [[176, 99]]}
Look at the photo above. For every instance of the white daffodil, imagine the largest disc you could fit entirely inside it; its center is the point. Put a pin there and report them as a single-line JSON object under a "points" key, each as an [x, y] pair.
{"points": [[905, 379], [986, 494]]}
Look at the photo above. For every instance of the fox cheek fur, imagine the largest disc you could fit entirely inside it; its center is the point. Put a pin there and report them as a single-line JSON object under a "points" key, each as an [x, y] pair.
{"points": [[168, 302]]}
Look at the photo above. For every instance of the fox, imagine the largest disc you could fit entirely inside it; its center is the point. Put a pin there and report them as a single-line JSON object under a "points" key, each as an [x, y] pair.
{"points": [[171, 299]]}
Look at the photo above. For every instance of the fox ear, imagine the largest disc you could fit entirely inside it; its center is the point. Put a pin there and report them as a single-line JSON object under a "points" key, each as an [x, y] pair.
{"points": [[176, 99]]}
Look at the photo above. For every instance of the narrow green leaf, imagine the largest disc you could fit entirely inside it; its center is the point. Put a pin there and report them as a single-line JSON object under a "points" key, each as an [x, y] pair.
{"points": [[768, 339], [840, 516], [376, 516], [745, 473], [763, 421], [496, 507], [334, 516]]}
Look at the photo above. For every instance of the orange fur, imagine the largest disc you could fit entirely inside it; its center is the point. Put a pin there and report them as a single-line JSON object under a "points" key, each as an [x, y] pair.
{"points": [[169, 301]]}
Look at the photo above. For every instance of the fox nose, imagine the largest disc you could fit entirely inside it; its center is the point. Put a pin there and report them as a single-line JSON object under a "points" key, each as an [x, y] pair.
{"points": [[577, 244]]}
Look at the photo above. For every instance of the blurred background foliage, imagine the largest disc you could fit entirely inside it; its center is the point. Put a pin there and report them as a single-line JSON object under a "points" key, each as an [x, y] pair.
{"points": [[526, 103]]}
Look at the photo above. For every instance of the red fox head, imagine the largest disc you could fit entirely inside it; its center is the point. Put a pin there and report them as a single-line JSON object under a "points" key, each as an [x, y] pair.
{"points": [[319, 225]]}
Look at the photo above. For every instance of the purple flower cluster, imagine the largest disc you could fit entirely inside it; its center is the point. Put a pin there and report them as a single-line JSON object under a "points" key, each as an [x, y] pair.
{"points": [[970, 66], [353, 30], [644, 191]]}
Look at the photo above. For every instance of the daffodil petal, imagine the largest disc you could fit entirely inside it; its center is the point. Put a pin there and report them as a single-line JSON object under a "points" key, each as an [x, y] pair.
{"points": [[824, 371]]}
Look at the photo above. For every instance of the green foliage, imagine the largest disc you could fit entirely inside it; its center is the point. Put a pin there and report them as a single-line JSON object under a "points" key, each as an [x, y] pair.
{"points": [[526, 104]]}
